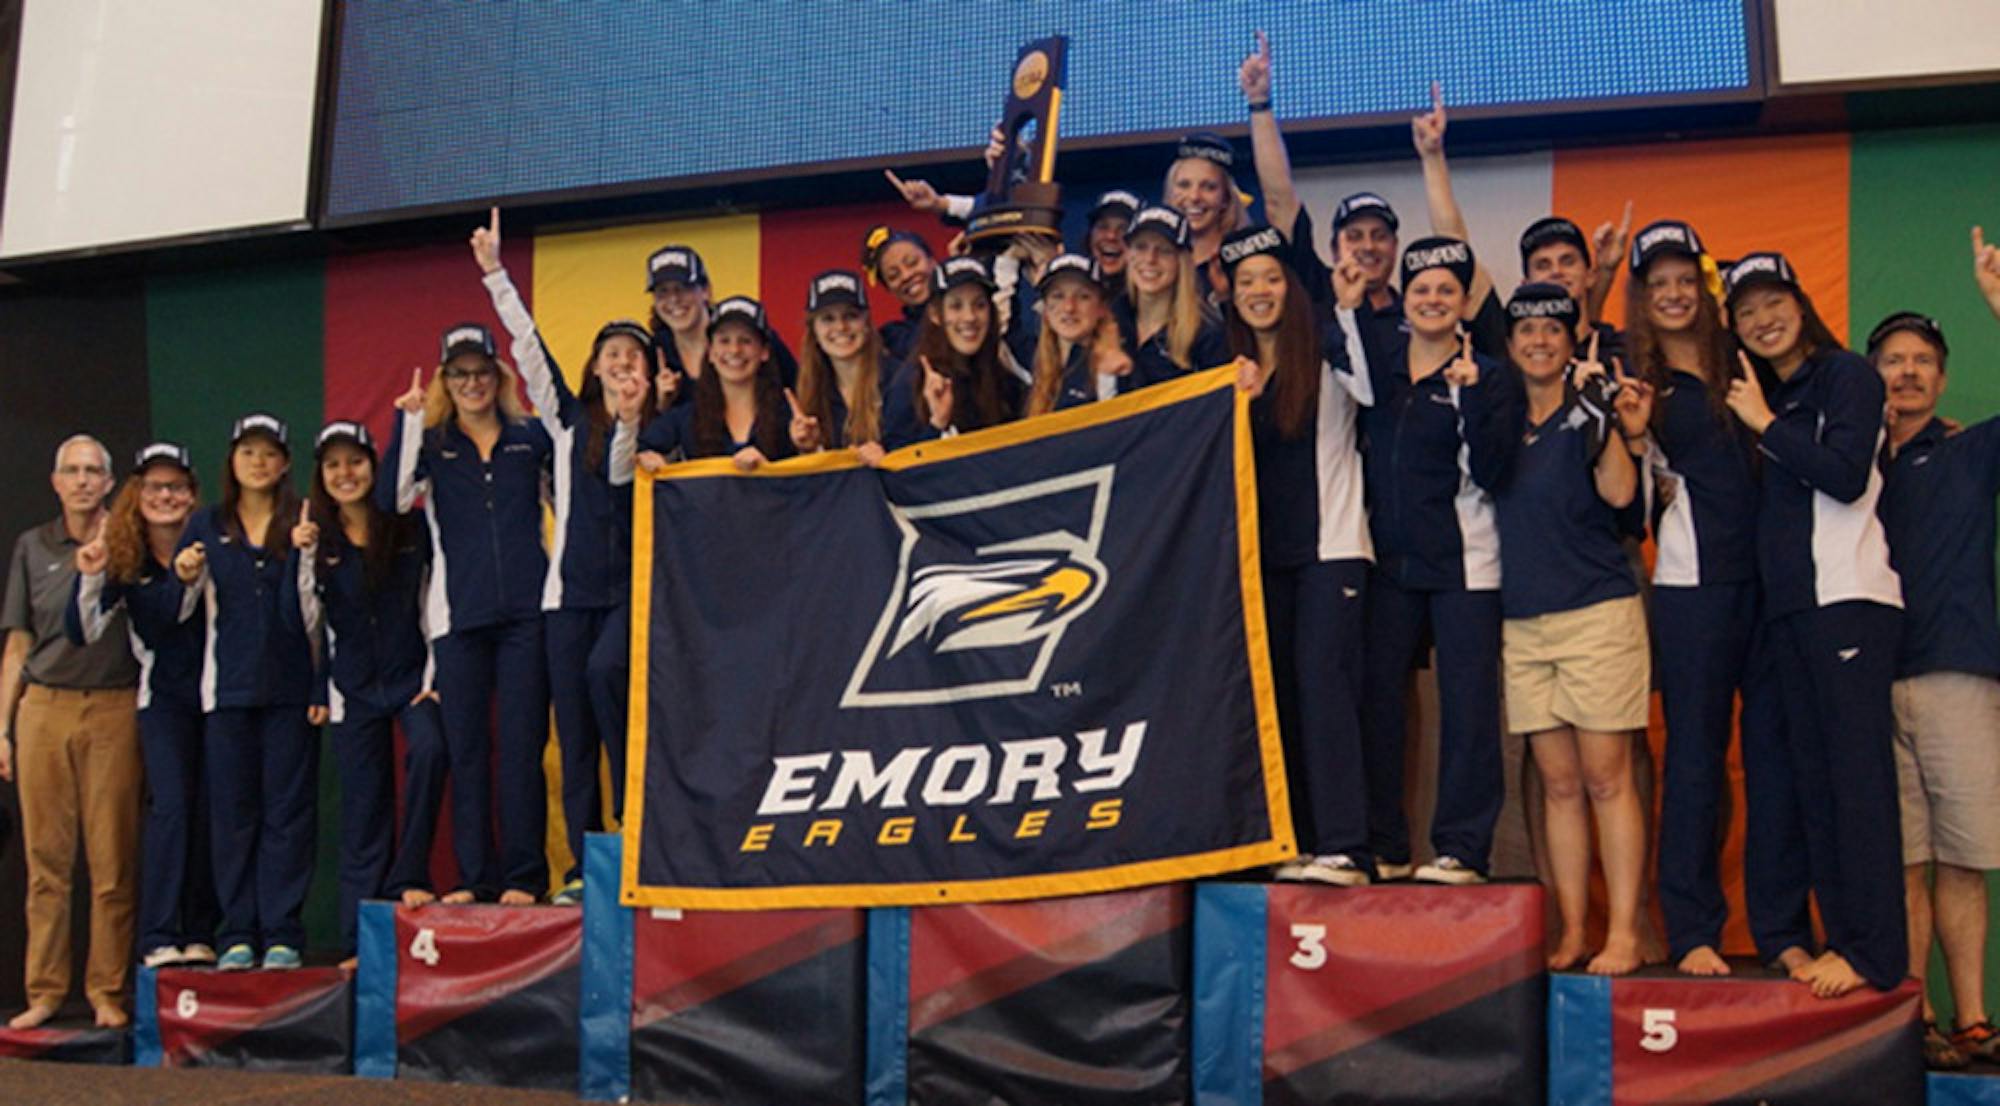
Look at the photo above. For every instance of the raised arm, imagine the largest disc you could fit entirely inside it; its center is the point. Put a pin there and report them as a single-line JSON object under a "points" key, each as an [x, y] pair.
{"points": [[1447, 219], [1267, 143], [406, 447], [547, 390]]}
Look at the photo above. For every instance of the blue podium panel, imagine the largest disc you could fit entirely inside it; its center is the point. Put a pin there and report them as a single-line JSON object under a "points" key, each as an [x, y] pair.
{"points": [[1393, 994], [1077, 1001], [1980, 1088], [297, 1021], [82, 1044], [1753, 1037]]}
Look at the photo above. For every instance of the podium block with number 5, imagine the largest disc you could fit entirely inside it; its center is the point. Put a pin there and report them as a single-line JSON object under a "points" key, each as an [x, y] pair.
{"points": [[1393, 994], [1754, 1037], [475, 994]]}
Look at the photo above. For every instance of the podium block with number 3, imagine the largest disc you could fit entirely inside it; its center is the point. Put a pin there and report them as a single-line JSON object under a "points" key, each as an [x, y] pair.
{"points": [[1394, 994], [1753, 1037]]}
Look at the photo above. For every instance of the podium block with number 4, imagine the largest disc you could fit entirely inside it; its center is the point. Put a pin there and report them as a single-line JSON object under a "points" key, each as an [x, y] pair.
{"points": [[1753, 1037], [476, 994]]}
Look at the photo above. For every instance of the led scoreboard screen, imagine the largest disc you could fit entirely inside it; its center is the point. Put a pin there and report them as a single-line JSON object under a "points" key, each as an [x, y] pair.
{"points": [[441, 103]]}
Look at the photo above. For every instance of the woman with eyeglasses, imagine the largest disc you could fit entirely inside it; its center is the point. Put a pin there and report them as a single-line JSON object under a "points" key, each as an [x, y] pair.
{"points": [[594, 431], [128, 566], [468, 448]]}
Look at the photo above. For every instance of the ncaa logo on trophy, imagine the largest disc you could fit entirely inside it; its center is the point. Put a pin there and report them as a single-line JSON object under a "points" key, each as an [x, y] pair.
{"points": [[1021, 195]]}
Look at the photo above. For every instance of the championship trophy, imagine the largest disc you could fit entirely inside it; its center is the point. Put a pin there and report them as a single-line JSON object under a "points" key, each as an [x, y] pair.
{"points": [[1021, 194]]}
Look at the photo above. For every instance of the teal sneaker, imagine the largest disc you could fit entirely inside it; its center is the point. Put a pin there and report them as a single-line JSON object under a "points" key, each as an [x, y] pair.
{"points": [[281, 958], [236, 958], [570, 895]]}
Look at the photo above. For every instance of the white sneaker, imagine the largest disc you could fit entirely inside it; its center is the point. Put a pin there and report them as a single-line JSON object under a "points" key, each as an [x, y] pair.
{"points": [[1448, 869], [1291, 871], [1387, 871], [164, 956], [197, 953], [1338, 869]]}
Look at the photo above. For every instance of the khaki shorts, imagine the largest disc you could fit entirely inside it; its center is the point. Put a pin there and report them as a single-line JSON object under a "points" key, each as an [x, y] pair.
{"points": [[1590, 668], [1948, 768]]}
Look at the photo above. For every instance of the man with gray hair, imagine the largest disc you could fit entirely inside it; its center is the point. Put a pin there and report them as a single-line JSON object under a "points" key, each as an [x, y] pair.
{"points": [[69, 728]]}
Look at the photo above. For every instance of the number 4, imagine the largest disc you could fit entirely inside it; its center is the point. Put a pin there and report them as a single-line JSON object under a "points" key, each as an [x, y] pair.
{"points": [[1660, 1033], [1311, 954], [424, 946]]}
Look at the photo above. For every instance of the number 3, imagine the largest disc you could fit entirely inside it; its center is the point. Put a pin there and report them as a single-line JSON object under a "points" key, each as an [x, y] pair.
{"points": [[186, 1005], [1311, 953], [424, 946], [1658, 1025]]}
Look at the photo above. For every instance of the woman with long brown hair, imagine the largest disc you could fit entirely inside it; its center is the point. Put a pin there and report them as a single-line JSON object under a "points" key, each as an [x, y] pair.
{"points": [[839, 400], [362, 576], [1700, 481], [961, 377], [127, 566], [1307, 381], [738, 410]]}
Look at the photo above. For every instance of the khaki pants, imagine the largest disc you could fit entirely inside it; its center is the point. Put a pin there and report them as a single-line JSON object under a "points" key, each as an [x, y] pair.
{"points": [[76, 754]]}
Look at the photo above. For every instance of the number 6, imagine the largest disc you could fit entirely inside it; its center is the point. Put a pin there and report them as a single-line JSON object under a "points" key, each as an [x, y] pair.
{"points": [[186, 1005], [1660, 1034]]}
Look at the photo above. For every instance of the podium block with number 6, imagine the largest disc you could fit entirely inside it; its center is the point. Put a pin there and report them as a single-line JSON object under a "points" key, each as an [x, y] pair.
{"points": [[289, 1021], [477, 994], [1753, 1037]]}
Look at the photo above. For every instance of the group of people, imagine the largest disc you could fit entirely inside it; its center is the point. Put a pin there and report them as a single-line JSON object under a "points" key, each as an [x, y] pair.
{"points": [[1438, 471]]}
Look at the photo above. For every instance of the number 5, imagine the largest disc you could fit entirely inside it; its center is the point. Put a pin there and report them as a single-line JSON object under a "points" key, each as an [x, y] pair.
{"points": [[424, 946], [1311, 953], [1658, 1025]]}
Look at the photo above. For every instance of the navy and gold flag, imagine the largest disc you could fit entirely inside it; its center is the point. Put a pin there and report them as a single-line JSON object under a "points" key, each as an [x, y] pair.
{"points": [[1022, 662]]}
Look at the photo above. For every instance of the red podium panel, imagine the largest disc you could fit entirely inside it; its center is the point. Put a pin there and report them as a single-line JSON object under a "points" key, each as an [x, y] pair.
{"points": [[750, 1008], [291, 1021], [1754, 1037], [488, 994], [1076, 1001], [84, 1044]]}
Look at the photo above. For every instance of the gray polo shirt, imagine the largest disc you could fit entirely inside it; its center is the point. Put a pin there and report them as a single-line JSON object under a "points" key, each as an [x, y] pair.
{"points": [[39, 580]]}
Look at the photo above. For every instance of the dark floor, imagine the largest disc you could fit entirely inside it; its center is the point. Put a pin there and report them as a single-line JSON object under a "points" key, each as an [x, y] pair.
{"points": [[50, 1084]]}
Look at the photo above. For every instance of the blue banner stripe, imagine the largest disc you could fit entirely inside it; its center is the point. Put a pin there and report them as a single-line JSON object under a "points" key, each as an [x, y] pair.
{"points": [[1962, 1090], [146, 1020], [375, 992], [1579, 1040], [888, 1006], [1229, 921], [605, 1071]]}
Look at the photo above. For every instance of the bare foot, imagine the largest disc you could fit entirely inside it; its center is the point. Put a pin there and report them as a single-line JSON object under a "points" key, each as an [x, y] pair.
{"points": [[516, 897], [1569, 952], [31, 1017], [1831, 976], [350, 964], [1620, 956], [1703, 961], [1796, 962], [111, 1017], [458, 898], [414, 897]]}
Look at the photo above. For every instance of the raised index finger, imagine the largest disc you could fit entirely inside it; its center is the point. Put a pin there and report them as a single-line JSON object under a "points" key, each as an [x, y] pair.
{"points": [[1263, 45], [1594, 334], [1978, 241], [1437, 97], [305, 511], [493, 220], [896, 181], [792, 399]]}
